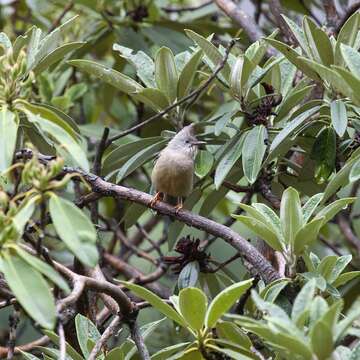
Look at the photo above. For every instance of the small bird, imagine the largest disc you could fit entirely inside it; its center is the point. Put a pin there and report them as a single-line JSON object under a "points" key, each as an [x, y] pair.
{"points": [[173, 173]]}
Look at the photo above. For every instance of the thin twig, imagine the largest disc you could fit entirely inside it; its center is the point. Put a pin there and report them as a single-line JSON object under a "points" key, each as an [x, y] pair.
{"points": [[57, 21], [138, 340], [62, 343], [13, 323], [110, 331], [277, 10]]}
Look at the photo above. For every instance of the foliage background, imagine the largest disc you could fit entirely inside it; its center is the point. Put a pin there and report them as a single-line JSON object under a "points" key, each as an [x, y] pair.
{"points": [[318, 155]]}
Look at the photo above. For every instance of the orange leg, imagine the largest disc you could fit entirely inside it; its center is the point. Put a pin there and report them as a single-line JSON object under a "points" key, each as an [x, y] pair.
{"points": [[155, 199], [180, 205]]}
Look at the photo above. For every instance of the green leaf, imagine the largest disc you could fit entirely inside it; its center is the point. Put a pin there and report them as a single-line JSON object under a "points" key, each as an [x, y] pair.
{"points": [[291, 127], [230, 331], [262, 230], [69, 349], [139, 159], [265, 215], [339, 118], [115, 354], [223, 302], [332, 209], [353, 83], [330, 76], [310, 206], [39, 49], [85, 331], [331, 316], [355, 172], [229, 353], [228, 161], [341, 178], [30, 289], [120, 153], [347, 35], [110, 76], [145, 68], [294, 97], [253, 152], [64, 141], [271, 292], [321, 340], [43, 268], [24, 214], [154, 98], [339, 267], [156, 302], [307, 234], [352, 59], [75, 229], [298, 33], [165, 73], [52, 114], [240, 73], [213, 54], [8, 135], [193, 314], [318, 309], [326, 266], [165, 353], [352, 314], [270, 217], [189, 275], [346, 277], [355, 353], [324, 154], [203, 163], [303, 301], [56, 55], [291, 216], [5, 41], [28, 356], [187, 75], [319, 43], [293, 57]]}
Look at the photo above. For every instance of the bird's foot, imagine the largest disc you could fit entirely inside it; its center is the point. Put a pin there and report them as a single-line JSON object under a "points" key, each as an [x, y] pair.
{"points": [[178, 207], [155, 199]]}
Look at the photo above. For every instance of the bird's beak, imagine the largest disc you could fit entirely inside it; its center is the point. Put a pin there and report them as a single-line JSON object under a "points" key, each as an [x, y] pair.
{"points": [[197, 142]]}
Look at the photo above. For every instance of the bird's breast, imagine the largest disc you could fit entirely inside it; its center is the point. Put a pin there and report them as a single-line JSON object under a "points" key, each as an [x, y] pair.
{"points": [[173, 173]]}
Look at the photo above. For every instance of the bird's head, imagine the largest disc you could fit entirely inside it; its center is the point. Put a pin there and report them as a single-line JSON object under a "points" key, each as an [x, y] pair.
{"points": [[186, 141]]}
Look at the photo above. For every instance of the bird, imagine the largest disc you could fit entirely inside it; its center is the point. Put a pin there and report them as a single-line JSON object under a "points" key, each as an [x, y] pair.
{"points": [[173, 172]]}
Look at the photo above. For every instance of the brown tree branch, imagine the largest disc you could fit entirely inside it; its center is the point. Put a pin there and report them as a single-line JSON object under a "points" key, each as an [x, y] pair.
{"points": [[249, 252], [231, 9], [332, 16], [347, 231], [109, 331], [138, 340], [276, 9]]}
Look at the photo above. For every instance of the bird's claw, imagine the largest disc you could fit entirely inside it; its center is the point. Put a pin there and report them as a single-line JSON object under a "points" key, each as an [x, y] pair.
{"points": [[155, 199], [178, 208]]}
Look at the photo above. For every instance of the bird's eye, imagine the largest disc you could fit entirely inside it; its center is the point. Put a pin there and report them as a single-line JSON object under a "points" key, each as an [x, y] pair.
{"points": [[186, 141]]}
